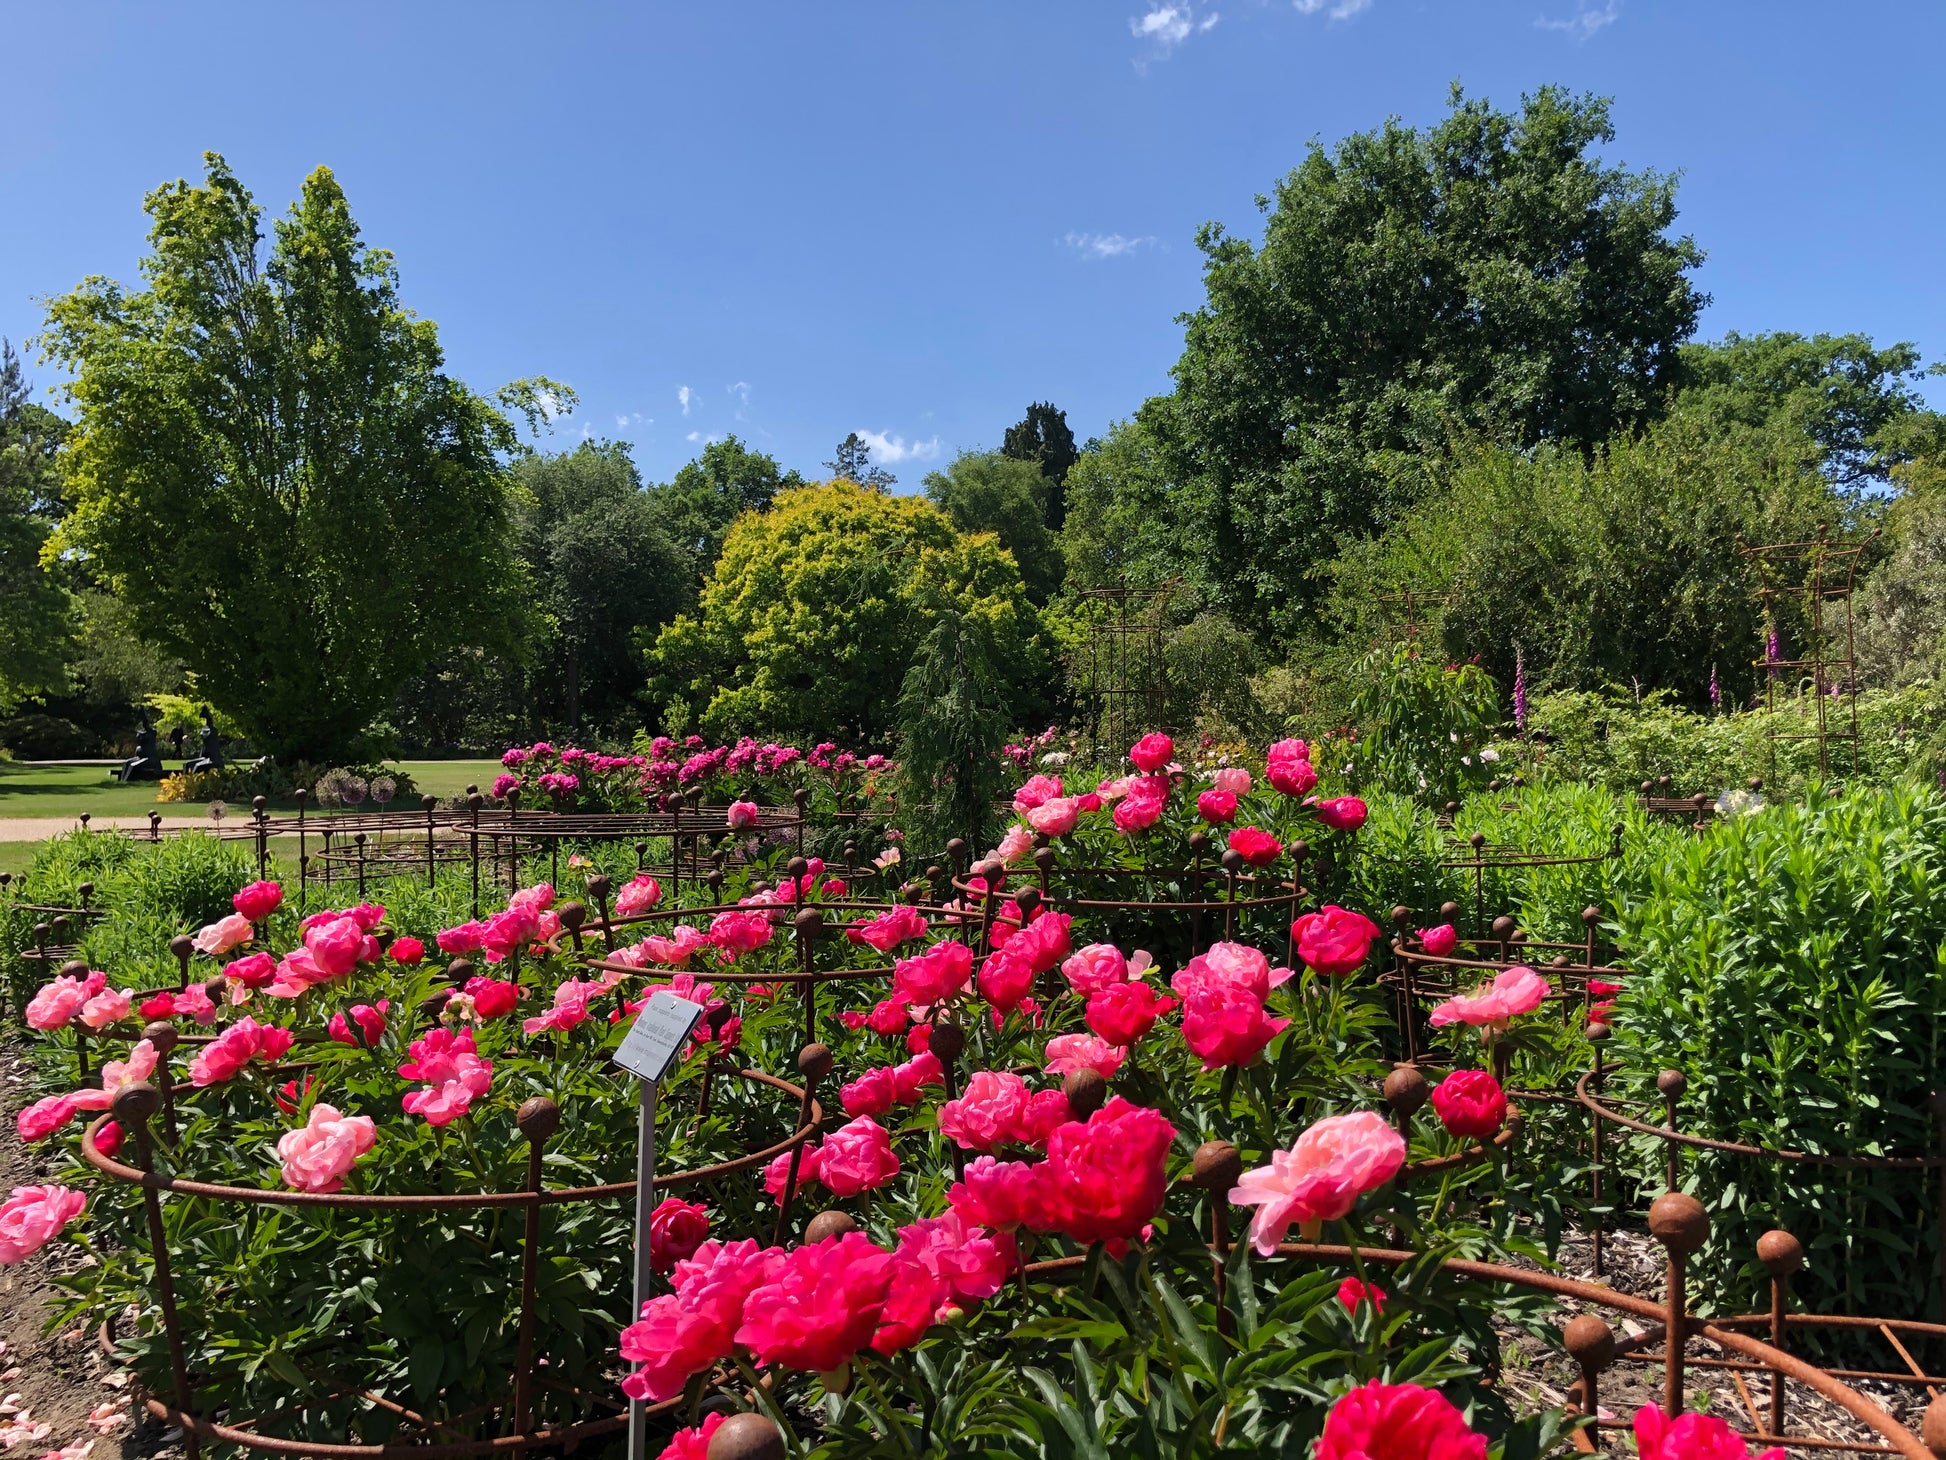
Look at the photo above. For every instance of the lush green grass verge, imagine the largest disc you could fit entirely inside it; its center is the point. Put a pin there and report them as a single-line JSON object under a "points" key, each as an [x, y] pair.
{"points": [[30, 790]]}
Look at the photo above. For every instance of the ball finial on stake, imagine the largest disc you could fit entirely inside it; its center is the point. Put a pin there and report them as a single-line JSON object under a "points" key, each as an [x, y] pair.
{"points": [[746, 1437]]}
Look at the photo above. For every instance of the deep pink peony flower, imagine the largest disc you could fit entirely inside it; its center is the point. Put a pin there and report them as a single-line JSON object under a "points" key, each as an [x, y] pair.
{"points": [[885, 932], [989, 1114], [1097, 966], [1470, 1104], [335, 946], [910, 1078], [1105, 1177], [492, 998], [258, 901], [676, 1229], [737, 933], [108, 1140], [1346, 813], [408, 952], [1690, 1436], [235, 1047], [1334, 940], [1152, 752], [1142, 804], [741, 814], [45, 1116], [1043, 942], [640, 894], [968, 1262], [685, 1332], [459, 941], [320, 1156], [910, 1306], [1321, 1177], [933, 976], [888, 1018], [821, 1307], [1288, 768], [1258, 848], [1218, 808], [370, 1022], [1513, 992], [1038, 791], [1006, 978], [1352, 1292], [692, 1443], [1067, 1052], [872, 1093], [779, 1170], [454, 1076], [858, 1156], [1122, 1013], [1225, 1024], [1440, 941], [32, 1216], [1236, 964], [1002, 1195], [1398, 1422], [57, 1002], [252, 972]]}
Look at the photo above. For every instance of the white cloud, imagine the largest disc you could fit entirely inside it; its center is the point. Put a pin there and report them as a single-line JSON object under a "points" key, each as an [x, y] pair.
{"points": [[1167, 24], [699, 439], [889, 450], [1341, 10], [1586, 21], [625, 419], [741, 390], [550, 405], [686, 396], [1106, 245]]}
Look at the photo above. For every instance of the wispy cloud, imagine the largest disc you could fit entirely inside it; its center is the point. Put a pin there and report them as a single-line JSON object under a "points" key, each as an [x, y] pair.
{"points": [[1106, 245], [550, 405], [625, 419], [699, 439], [686, 396], [890, 450], [1338, 9], [741, 390], [1167, 25], [1584, 22]]}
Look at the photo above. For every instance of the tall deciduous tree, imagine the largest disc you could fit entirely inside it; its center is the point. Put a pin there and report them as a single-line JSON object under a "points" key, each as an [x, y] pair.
{"points": [[1491, 274], [983, 491], [272, 468], [1042, 437], [712, 491], [35, 625]]}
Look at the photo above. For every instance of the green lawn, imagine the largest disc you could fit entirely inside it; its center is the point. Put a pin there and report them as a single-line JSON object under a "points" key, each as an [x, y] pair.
{"points": [[28, 790]]}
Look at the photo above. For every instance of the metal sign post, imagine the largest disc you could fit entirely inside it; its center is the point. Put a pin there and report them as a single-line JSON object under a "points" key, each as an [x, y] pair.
{"points": [[652, 1043]]}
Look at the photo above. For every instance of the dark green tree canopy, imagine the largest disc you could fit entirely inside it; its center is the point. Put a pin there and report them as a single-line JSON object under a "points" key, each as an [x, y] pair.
{"points": [[34, 610], [712, 491], [272, 468], [1042, 437], [1490, 273], [986, 491], [606, 574]]}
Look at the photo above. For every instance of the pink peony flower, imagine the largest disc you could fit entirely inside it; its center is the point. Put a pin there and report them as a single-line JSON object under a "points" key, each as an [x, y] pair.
{"points": [[45, 1116], [737, 933], [1346, 813], [1226, 1025], [1232, 780], [742, 814], [1218, 808], [989, 1114], [1122, 1013], [1689, 1436], [1321, 1177], [692, 1442], [223, 1057], [334, 947], [1095, 967], [1440, 941], [642, 893], [676, 1229], [1235, 964], [258, 900], [1352, 1292], [858, 1156], [454, 1076], [872, 1093], [1002, 1195], [108, 1140], [1334, 940], [685, 1332], [320, 1156], [1038, 791], [1288, 768], [885, 932], [1015, 847], [912, 1077], [110, 1006], [1105, 1178], [1398, 1422], [458, 942], [409, 952], [1068, 1052], [492, 999], [1142, 804], [252, 971], [1514, 992], [779, 1170], [1258, 848], [676, 950], [57, 1003], [1006, 978], [1056, 817], [1152, 752], [822, 1305], [966, 1261], [1470, 1104], [370, 1022], [224, 934], [933, 976], [32, 1216]]}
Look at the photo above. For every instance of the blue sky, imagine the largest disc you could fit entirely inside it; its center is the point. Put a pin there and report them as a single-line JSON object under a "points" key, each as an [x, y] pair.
{"points": [[792, 220]]}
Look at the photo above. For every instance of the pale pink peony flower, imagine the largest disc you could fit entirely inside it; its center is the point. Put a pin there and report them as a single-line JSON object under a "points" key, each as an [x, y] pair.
{"points": [[856, 1157], [116, 1076], [320, 1156], [1321, 1177], [57, 1002], [1094, 968], [1069, 1052], [742, 814], [1233, 779], [1489, 1007], [224, 934], [642, 893], [1016, 846], [110, 1006], [32, 1216], [1056, 817]]}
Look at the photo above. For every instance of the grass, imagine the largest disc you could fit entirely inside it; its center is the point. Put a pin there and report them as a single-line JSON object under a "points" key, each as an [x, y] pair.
{"points": [[30, 790]]}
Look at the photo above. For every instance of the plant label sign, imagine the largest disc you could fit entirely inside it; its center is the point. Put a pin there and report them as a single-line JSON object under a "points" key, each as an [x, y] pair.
{"points": [[658, 1033]]}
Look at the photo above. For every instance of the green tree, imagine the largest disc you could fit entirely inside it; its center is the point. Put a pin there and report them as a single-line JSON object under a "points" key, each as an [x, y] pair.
{"points": [[1490, 274], [1042, 437], [955, 709], [853, 463], [986, 491], [709, 493], [35, 617], [272, 468], [1129, 516], [813, 613], [606, 573], [1860, 405]]}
